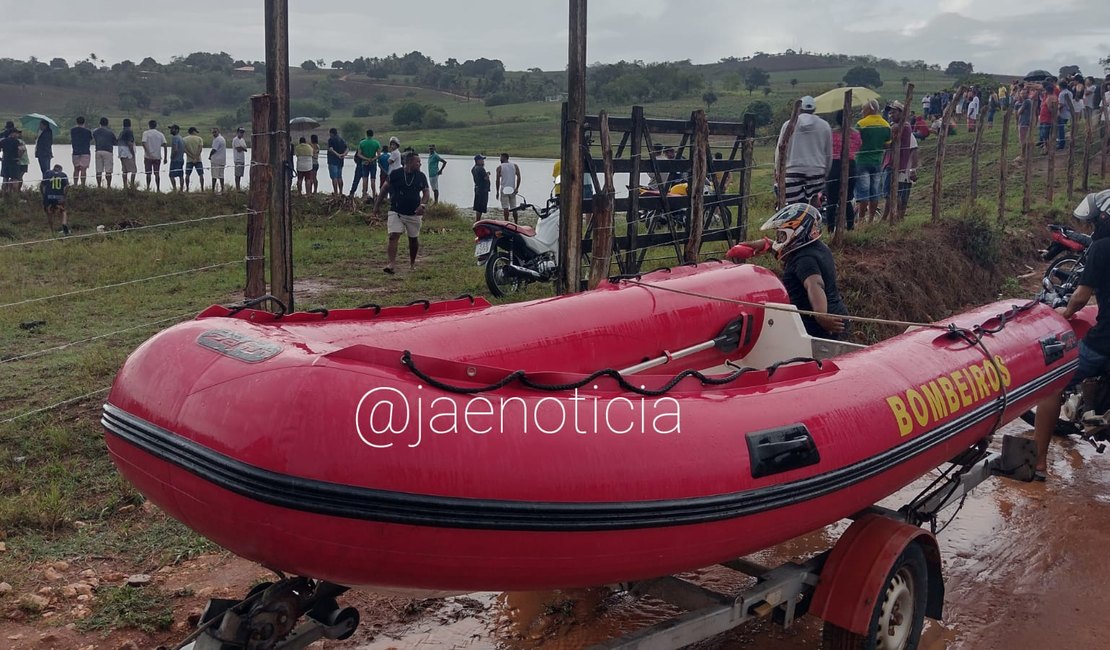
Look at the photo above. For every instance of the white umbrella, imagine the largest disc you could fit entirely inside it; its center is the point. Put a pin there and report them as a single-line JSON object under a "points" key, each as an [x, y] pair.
{"points": [[303, 124]]}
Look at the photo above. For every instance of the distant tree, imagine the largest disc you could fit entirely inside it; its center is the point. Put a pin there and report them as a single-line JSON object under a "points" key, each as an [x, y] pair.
{"points": [[732, 82], [537, 70], [435, 117], [959, 69], [766, 90], [58, 63], [149, 64], [1065, 71], [710, 98], [351, 130], [309, 65], [761, 111], [1105, 63], [863, 76], [319, 63], [793, 83], [338, 65], [905, 81], [362, 110], [755, 78], [409, 114]]}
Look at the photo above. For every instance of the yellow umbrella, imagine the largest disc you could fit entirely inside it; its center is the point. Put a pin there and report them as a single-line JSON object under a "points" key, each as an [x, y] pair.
{"points": [[833, 100]]}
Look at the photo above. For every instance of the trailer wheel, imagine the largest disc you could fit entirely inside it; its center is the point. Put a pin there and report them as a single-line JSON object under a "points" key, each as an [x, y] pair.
{"points": [[899, 615]]}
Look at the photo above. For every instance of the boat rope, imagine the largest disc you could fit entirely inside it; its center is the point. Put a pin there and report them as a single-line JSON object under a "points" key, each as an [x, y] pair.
{"points": [[522, 377]]}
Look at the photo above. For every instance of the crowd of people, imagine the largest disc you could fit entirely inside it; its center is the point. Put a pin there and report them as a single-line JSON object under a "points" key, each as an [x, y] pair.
{"points": [[813, 160]]}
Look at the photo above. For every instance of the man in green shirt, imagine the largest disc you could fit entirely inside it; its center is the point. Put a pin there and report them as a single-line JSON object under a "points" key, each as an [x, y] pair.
{"points": [[435, 168], [874, 134], [194, 144], [366, 167]]}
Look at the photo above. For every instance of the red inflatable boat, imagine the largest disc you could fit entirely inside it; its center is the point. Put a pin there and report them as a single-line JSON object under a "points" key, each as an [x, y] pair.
{"points": [[457, 446]]}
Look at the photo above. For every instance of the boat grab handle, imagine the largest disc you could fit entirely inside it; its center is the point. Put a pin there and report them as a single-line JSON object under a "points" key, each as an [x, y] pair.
{"points": [[773, 451]]}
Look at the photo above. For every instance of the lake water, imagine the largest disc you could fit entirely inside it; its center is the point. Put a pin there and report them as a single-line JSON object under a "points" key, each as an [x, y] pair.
{"points": [[455, 185]]}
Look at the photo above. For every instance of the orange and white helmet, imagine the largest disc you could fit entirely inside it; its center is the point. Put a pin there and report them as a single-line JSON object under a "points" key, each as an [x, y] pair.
{"points": [[795, 226]]}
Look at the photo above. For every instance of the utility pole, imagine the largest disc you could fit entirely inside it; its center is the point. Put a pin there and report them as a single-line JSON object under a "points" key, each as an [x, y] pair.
{"points": [[277, 86], [570, 224]]}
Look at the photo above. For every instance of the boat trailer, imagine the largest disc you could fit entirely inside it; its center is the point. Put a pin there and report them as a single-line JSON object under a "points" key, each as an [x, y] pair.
{"points": [[873, 588]]}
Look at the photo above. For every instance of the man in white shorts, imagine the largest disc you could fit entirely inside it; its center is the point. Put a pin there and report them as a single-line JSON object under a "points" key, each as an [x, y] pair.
{"points": [[104, 140], [239, 155], [408, 196], [217, 158], [508, 182]]}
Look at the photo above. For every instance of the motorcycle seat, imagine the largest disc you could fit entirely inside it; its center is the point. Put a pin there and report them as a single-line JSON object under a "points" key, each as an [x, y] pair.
{"points": [[527, 231]]}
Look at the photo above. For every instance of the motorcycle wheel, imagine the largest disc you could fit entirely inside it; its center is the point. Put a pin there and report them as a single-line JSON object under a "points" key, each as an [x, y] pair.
{"points": [[498, 282], [1061, 271]]}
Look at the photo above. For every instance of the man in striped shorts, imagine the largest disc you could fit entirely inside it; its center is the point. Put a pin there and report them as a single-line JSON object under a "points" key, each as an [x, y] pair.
{"points": [[809, 157]]}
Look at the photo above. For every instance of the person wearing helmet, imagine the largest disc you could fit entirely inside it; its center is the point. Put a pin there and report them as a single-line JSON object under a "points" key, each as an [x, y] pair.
{"points": [[1094, 349], [808, 270]]}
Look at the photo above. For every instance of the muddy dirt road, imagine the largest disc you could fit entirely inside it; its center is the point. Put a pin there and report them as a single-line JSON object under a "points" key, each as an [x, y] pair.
{"points": [[1027, 566]]}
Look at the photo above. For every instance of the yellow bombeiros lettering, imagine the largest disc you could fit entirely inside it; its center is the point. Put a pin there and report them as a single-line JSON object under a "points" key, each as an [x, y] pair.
{"points": [[919, 407]]}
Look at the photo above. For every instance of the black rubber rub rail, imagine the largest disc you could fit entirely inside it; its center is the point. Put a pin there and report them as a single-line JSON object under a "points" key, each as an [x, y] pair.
{"points": [[351, 502]]}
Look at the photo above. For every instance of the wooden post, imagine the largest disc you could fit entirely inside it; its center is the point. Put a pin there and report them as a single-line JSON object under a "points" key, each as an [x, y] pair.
{"points": [[845, 166], [699, 154], [1050, 149], [747, 150], [893, 210], [1071, 151], [1087, 156], [260, 180], [603, 210], [1003, 161], [277, 86], [570, 225], [632, 219], [1028, 148], [980, 126], [783, 150], [942, 137], [1106, 141]]}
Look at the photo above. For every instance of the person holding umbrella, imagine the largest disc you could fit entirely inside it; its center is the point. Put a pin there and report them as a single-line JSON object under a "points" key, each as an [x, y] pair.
{"points": [[44, 147]]}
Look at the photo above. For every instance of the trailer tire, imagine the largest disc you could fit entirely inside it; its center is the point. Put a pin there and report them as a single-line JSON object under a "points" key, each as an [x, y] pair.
{"points": [[891, 627]]}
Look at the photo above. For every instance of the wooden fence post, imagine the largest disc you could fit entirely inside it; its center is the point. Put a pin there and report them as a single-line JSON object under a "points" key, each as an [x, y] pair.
{"points": [[260, 179], [1087, 155], [845, 165], [1105, 139], [980, 126], [699, 154], [942, 137], [1003, 162], [1029, 148], [1071, 152], [782, 152], [893, 208], [1050, 152], [747, 151], [632, 218], [603, 210]]}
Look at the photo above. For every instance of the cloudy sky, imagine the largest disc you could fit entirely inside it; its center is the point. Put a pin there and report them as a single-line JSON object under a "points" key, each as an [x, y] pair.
{"points": [[1000, 36]]}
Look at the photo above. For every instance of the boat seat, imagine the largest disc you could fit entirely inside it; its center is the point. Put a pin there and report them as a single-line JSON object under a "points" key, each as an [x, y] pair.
{"points": [[527, 231], [783, 336]]}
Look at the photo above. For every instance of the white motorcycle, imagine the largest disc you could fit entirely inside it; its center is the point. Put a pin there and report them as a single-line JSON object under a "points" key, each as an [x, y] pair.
{"points": [[516, 255]]}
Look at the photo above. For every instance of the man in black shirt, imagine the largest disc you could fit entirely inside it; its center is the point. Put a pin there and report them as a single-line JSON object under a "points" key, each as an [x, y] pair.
{"points": [[80, 137], [408, 196], [54, 186], [337, 151], [1094, 349], [481, 186], [11, 147], [808, 271], [44, 146]]}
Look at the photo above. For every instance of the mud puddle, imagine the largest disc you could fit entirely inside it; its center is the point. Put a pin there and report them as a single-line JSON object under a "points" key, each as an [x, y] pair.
{"points": [[1026, 567]]}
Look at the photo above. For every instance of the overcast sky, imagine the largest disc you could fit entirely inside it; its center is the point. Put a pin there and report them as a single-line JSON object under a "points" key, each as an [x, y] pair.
{"points": [[999, 36]]}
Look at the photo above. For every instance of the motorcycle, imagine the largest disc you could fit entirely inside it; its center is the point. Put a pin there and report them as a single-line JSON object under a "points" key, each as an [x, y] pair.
{"points": [[515, 255], [1068, 254]]}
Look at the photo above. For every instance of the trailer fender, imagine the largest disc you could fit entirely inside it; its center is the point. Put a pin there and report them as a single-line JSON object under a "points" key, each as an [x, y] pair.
{"points": [[857, 567]]}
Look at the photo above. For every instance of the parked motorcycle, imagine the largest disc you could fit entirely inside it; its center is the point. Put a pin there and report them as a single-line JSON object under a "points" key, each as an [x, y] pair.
{"points": [[515, 255], [1068, 256]]}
